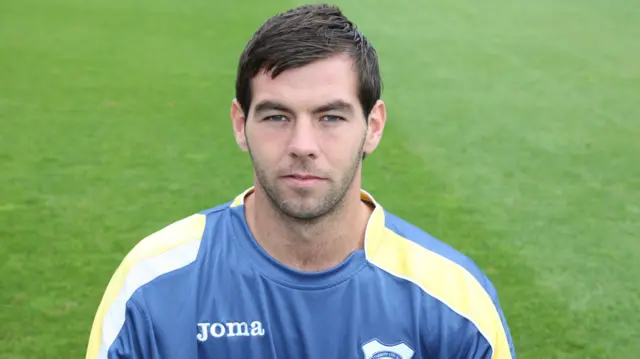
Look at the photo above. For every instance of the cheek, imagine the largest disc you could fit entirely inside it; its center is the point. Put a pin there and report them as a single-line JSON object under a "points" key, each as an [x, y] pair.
{"points": [[342, 145], [265, 145]]}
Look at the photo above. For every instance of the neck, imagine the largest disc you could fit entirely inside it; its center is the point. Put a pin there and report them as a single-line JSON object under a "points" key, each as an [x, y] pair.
{"points": [[308, 245]]}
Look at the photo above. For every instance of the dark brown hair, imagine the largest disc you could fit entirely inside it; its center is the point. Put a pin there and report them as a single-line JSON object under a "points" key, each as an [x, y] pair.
{"points": [[301, 36]]}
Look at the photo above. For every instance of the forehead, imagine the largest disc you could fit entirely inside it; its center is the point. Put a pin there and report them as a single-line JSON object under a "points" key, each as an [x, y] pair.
{"points": [[322, 81]]}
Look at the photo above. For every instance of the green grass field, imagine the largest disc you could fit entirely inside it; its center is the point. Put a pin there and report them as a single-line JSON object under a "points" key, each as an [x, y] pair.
{"points": [[513, 128]]}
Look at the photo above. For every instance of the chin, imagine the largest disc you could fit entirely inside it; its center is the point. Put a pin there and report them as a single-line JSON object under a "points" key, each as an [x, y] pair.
{"points": [[302, 211]]}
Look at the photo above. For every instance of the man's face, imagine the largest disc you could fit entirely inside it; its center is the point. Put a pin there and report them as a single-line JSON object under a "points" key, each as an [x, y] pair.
{"points": [[306, 133]]}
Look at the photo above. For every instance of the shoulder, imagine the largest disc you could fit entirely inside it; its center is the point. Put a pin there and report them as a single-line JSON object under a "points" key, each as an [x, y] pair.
{"points": [[423, 258], [174, 235], [448, 258], [165, 251], [172, 247], [442, 273], [168, 249]]}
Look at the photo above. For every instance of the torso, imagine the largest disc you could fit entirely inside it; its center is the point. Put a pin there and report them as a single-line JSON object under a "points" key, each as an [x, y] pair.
{"points": [[203, 288], [235, 302]]}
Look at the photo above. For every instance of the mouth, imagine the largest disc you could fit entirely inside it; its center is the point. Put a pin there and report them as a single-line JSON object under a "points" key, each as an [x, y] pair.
{"points": [[302, 179]]}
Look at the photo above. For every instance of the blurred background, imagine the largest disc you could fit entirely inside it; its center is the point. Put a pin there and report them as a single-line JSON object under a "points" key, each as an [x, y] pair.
{"points": [[513, 135]]}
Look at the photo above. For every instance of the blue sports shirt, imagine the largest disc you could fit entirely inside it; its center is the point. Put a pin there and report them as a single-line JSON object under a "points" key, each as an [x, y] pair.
{"points": [[203, 288]]}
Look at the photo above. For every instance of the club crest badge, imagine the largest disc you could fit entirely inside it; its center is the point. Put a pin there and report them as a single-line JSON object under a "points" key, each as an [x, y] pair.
{"points": [[373, 349]]}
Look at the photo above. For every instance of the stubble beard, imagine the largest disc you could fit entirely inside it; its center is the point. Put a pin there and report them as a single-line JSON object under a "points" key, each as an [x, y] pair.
{"points": [[303, 213]]}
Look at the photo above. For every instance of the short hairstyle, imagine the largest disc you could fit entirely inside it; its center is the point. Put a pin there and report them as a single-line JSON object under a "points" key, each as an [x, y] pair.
{"points": [[300, 36]]}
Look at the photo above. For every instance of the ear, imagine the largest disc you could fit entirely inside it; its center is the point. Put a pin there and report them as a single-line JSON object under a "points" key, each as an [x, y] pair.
{"points": [[376, 122], [238, 120]]}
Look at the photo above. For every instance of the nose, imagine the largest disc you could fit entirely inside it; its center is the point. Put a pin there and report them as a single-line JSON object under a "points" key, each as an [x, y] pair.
{"points": [[304, 142]]}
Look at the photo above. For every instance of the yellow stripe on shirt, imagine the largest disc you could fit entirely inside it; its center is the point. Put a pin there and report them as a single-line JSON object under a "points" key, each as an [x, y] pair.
{"points": [[439, 277], [179, 233]]}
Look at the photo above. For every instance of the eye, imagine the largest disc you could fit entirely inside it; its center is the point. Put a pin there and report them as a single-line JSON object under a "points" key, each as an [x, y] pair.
{"points": [[275, 118], [332, 118]]}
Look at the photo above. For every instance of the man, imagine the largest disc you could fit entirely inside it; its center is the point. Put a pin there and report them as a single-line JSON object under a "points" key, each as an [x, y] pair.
{"points": [[304, 264]]}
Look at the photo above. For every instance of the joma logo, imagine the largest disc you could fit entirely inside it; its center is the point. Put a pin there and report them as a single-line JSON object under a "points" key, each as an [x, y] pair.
{"points": [[231, 329]]}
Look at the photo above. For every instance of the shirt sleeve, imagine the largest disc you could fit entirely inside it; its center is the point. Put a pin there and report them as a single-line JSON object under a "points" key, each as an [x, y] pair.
{"points": [[509, 352], [450, 333], [122, 326], [477, 345], [136, 339]]}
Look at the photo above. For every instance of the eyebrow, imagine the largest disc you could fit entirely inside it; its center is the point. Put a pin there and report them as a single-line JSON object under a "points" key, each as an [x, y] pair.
{"points": [[337, 105], [264, 106]]}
